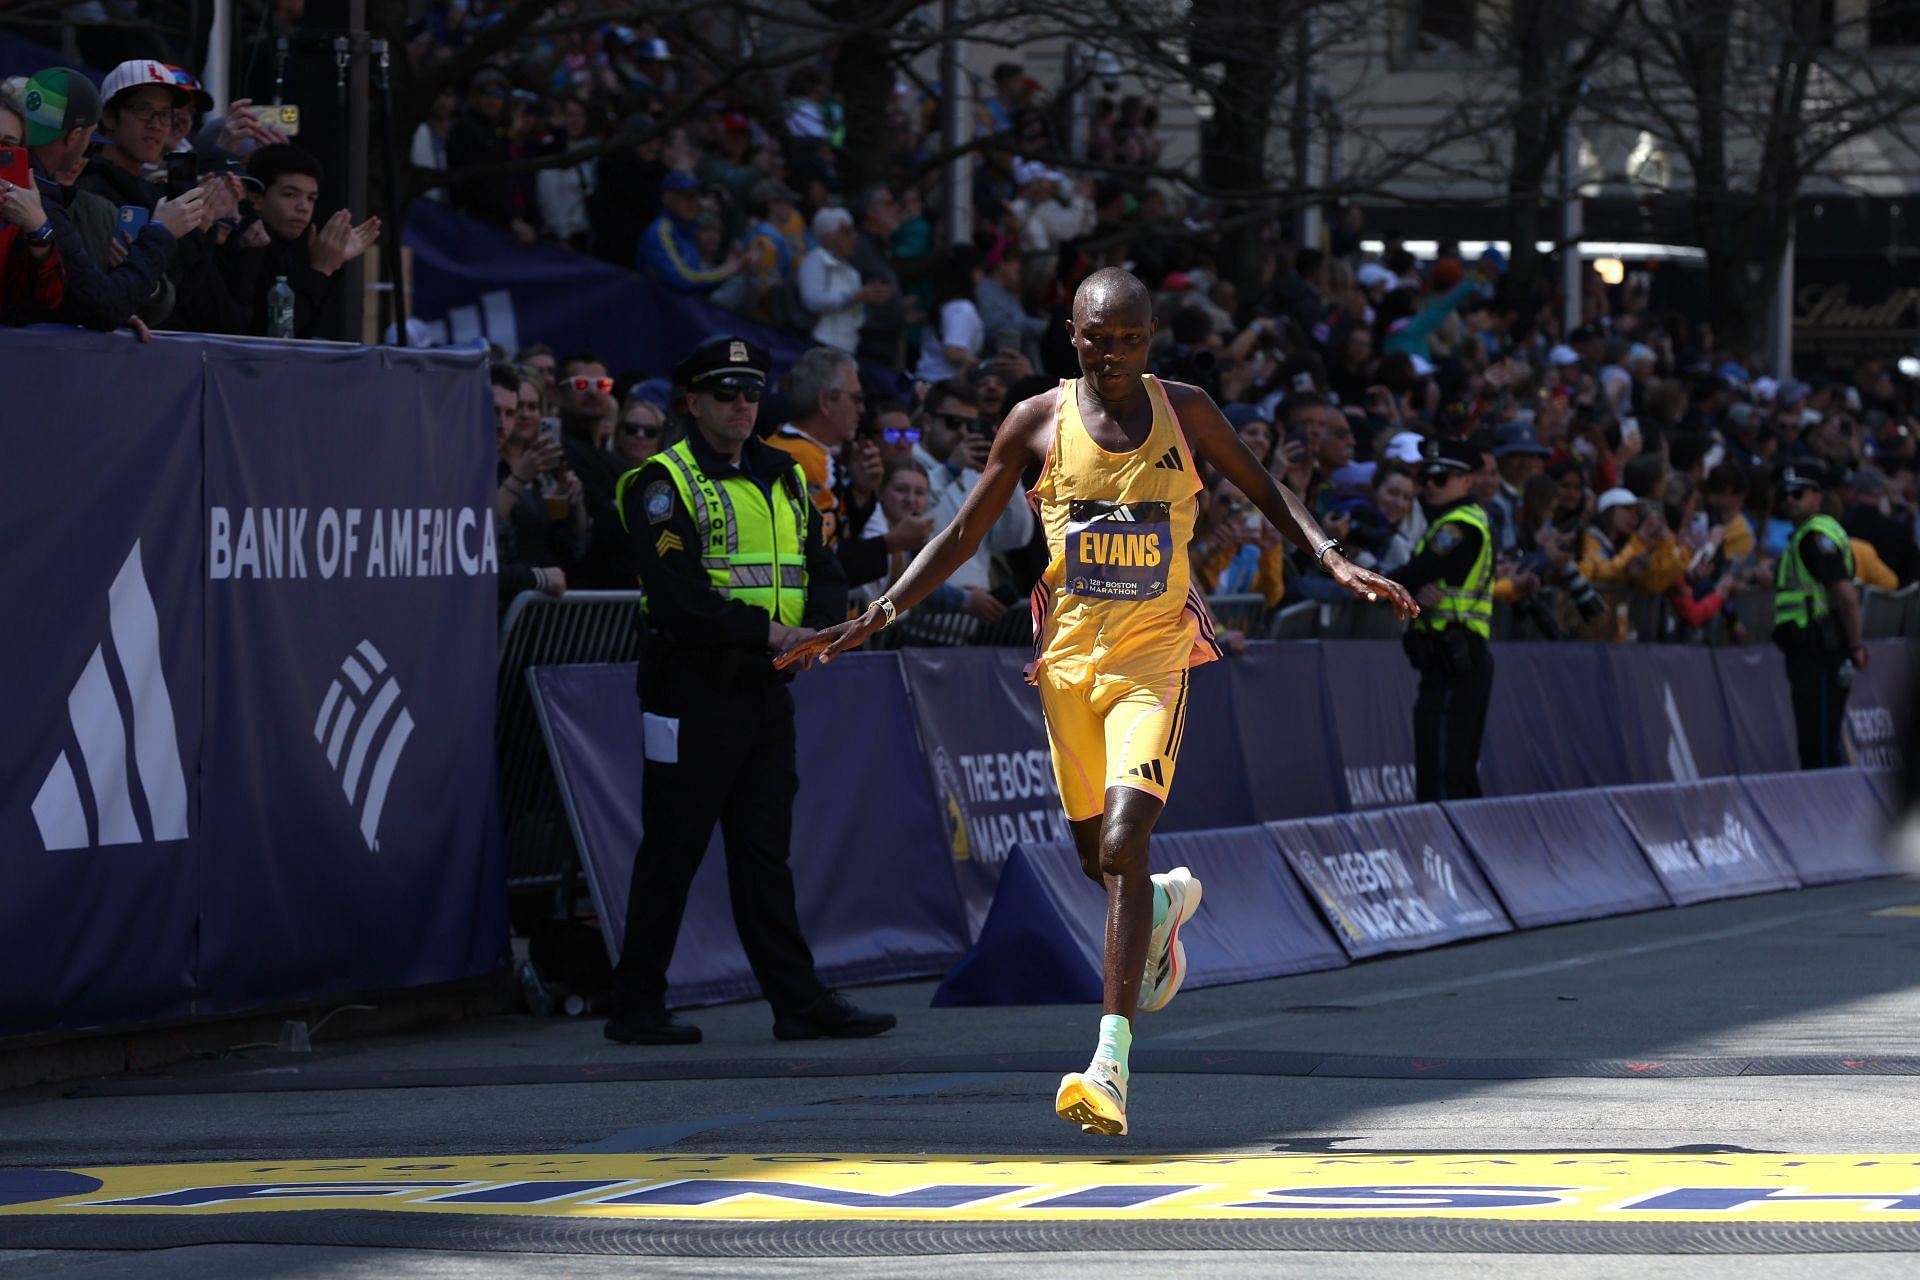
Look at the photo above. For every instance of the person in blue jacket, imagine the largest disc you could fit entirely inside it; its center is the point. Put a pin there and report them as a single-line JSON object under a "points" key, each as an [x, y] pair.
{"points": [[669, 249]]}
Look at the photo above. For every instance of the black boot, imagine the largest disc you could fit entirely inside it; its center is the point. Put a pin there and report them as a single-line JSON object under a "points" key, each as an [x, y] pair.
{"points": [[831, 1017], [653, 1027]]}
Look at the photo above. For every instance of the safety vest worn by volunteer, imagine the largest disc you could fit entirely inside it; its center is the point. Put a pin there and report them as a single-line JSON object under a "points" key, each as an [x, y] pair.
{"points": [[752, 541], [1117, 598], [1470, 603], [1802, 601]]}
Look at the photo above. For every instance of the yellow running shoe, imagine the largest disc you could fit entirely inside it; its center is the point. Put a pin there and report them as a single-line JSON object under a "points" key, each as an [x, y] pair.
{"points": [[1094, 1099]]}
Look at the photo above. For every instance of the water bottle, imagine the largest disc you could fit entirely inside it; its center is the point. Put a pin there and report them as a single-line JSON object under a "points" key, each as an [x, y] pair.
{"points": [[280, 309], [539, 1002]]}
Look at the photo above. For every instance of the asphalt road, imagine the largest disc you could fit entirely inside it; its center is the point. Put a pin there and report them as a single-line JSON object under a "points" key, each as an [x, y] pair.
{"points": [[1817, 976]]}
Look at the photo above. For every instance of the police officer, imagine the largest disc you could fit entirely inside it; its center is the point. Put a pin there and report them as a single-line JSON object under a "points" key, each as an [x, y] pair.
{"points": [[731, 560], [1816, 615], [1451, 574]]}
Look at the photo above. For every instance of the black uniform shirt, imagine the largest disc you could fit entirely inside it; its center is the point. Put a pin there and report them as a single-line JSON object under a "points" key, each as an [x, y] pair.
{"points": [[665, 543], [1450, 552]]}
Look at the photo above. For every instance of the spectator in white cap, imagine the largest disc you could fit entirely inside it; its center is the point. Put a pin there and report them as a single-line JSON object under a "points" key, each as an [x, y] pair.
{"points": [[138, 101]]}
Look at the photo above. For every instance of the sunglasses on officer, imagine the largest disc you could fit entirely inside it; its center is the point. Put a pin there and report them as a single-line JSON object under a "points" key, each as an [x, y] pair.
{"points": [[584, 385], [727, 395]]}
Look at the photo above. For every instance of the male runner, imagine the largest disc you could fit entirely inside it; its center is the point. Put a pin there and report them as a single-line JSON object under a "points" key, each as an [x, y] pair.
{"points": [[1116, 627]]}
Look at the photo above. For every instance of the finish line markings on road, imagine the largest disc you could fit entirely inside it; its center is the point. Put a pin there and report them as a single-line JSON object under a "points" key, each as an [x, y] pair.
{"points": [[1517, 1187]]}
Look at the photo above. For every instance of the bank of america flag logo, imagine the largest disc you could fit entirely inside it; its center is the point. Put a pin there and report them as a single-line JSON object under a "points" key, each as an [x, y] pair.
{"points": [[378, 727], [121, 756]]}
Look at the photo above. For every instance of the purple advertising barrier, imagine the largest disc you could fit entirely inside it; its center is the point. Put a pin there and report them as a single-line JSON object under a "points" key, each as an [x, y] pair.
{"points": [[1280, 726], [1549, 728], [984, 744], [1879, 705], [1369, 700], [1672, 718], [1554, 858], [1395, 880], [1886, 785], [1753, 685], [875, 895], [1211, 785], [1043, 939], [1830, 822], [1705, 840]]}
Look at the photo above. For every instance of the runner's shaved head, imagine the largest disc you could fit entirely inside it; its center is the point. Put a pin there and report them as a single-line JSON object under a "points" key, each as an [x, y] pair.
{"points": [[1111, 291]]}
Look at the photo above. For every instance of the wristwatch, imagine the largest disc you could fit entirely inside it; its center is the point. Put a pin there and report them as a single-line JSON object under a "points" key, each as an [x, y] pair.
{"points": [[1320, 552]]}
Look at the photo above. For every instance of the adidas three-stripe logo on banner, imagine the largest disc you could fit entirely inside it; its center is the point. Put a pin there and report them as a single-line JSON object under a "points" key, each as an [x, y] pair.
{"points": [[337, 715], [1171, 462], [155, 771], [1150, 771]]}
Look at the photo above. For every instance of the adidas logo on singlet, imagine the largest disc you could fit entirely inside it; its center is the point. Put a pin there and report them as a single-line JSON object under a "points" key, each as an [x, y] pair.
{"points": [[1171, 462], [1150, 771]]}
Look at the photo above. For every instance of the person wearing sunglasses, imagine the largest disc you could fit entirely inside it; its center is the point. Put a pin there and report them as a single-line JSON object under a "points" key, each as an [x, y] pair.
{"points": [[734, 568], [585, 392], [639, 434]]}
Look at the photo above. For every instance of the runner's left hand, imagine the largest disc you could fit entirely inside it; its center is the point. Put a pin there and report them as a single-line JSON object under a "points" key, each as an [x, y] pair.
{"points": [[1370, 586]]}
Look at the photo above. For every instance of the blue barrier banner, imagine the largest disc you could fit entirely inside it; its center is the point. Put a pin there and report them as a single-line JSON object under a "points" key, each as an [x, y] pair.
{"points": [[986, 749], [1554, 858], [1753, 685], [1370, 689], [1878, 707], [351, 597], [1886, 785], [1704, 839], [1042, 942], [1396, 880], [471, 281], [870, 868], [1278, 727], [1672, 720], [1829, 822], [1212, 787], [1548, 727], [101, 824]]}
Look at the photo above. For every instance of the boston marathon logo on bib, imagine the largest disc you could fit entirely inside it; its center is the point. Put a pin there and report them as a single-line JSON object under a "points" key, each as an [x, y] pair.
{"points": [[1119, 550]]}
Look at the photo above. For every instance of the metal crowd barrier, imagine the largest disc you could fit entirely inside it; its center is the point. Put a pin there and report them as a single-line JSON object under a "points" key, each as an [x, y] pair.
{"points": [[539, 630]]}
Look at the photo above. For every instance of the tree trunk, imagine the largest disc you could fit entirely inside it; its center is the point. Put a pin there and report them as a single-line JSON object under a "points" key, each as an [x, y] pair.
{"points": [[1232, 34], [864, 75]]}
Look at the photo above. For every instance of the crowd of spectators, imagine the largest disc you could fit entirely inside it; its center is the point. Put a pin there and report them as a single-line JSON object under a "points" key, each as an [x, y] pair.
{"points": [[131, 205], [1629, 460]]}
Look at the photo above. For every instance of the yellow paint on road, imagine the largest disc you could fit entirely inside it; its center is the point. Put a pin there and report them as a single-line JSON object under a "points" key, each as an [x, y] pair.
{"points": [[1516, 1187]]}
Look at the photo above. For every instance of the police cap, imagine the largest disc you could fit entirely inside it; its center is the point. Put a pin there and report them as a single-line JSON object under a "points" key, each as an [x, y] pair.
{"points": [[1802, 474], [724, 361], [1443, 459]]}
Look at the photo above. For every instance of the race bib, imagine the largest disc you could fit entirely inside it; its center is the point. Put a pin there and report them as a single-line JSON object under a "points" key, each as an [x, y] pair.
{"points": [[1119, 550]]}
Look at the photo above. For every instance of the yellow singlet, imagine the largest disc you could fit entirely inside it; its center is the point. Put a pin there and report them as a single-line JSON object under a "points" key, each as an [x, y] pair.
{"points": [[1117, 598], [1116, 621]]}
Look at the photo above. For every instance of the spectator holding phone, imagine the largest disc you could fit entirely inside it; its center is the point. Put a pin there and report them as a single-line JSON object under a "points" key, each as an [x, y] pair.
{"points": [[33, 281], [279, 239], [956, 337], [139, 99], [954, 444], [61, 107], [520, 466]]}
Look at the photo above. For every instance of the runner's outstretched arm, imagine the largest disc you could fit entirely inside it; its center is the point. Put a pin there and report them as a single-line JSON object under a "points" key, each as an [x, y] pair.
{"points": [[1014, 450], [1210, 435]]}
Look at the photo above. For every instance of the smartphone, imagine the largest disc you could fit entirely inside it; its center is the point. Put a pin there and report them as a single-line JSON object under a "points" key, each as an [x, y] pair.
{"points": [[14, 166], [1629, 428], [183, 170], [133, 218], [284, 116], [1699, 524]]}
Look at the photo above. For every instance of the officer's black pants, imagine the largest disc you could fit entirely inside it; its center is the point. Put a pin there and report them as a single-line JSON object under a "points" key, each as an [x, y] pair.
{"points": [[1449, 720], [736, 769], [1819, 707]]}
